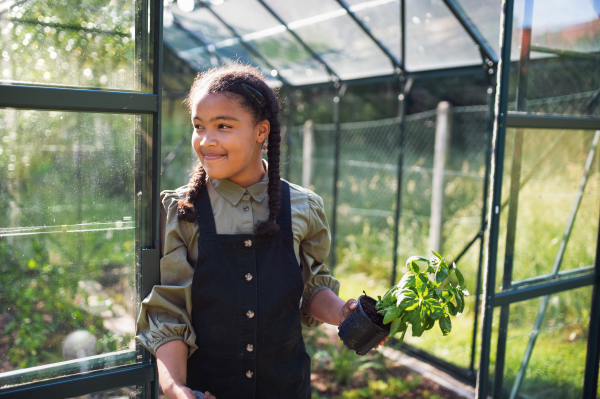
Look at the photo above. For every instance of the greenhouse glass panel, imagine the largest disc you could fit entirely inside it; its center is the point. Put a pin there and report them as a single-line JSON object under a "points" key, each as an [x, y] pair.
{"points": [[485, 14], [435, 39], [563, 39], [203, 23], [554, 231], [262, 31], [215, 43], [335, 37], [44, 42], [179, 39], [68, 242], [382, 17], [554, 329], [290, 10]]}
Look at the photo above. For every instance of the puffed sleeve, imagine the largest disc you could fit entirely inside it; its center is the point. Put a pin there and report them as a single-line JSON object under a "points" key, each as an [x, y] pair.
{"points": [[314, 249], [165, 314]]}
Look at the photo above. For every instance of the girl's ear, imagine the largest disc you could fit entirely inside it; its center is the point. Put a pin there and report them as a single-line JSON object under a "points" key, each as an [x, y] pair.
{"points": [[263, 128]]}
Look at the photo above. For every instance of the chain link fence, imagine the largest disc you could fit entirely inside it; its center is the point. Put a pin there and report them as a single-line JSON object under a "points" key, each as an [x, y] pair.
{"points": [[368, 181]]}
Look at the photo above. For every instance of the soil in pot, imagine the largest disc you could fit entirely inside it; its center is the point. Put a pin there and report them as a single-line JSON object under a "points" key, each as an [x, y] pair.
{"points": [[368, 305]]}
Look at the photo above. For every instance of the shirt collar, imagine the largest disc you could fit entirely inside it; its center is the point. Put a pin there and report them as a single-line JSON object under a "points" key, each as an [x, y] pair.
{"points": [[234, 193]]}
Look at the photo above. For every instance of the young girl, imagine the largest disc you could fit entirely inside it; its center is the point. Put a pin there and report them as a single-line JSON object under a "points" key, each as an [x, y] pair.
{"points": [[242, 256]]}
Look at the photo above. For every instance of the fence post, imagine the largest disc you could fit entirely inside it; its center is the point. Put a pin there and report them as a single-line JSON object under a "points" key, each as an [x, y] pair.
{"points": [[307, 150], [442, 139]]}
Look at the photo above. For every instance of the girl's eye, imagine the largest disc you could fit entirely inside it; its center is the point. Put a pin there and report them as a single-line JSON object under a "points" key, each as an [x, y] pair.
{"points": [[221, 126], [197, 127]]}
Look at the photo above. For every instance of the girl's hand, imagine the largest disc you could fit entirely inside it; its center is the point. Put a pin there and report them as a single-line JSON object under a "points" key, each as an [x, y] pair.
{"points": [[348, 308], [205, 395], [180, 392]]}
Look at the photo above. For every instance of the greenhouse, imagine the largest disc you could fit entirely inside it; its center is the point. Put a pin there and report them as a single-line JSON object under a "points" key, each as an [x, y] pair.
{"points": [[467, 127]]}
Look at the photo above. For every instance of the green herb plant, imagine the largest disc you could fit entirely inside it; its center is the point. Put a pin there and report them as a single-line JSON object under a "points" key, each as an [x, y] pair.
{"points": [[420, 300]]}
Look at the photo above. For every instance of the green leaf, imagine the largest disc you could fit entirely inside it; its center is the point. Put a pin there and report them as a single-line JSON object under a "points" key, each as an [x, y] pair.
{"points": [[452, 309], [398, 325], [418, 284], [424, 290], [391, 314], [447, 295], [405, 296], [436, 308], [459, 276], [395, 327], [9, 327], [408, 280], [411, 263], [441, 274], [428, 323], [460, 302], [417, 325], [445, 325], [411, 305]]}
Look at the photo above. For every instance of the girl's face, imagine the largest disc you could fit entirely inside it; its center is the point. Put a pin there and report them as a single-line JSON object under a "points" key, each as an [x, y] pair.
{"points": [[227, 139]]}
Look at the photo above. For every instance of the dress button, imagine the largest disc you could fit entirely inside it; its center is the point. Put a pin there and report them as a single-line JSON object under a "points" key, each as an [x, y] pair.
{"points": [[249, 314], [249, 347], [246, 208], [248, 243], [248, 276], [249, 374]]}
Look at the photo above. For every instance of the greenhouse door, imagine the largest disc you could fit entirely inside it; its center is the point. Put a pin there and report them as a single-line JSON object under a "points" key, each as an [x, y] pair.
{"points": [[541, 305], [80, 142]]}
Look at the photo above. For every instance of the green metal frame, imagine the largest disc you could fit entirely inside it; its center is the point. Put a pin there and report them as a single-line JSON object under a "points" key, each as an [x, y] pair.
{"points": [[143, 374], [540, 286]]}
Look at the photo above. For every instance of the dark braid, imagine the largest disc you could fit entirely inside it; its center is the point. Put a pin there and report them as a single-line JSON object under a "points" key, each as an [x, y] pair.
{"points": [[185, 207], [235, 78]]}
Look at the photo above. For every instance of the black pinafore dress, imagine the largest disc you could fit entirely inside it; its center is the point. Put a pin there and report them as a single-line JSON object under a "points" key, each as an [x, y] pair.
{"points": [[246, 293]]}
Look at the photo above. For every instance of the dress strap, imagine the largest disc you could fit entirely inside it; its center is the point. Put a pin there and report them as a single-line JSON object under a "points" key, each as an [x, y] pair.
{"points": [[204, 213], [284, 219]]}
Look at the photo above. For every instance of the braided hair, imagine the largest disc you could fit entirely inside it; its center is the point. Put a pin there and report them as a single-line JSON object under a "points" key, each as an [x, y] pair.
{"points": [[260, 101]]}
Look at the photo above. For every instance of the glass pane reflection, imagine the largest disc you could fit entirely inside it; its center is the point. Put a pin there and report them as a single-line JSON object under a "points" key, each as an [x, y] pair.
{"points": [[383, 20], [263, 32], [335, 37], [552, 167], [564, 46], [67, 238], [485, 14], [63, 43], [435, 39]]}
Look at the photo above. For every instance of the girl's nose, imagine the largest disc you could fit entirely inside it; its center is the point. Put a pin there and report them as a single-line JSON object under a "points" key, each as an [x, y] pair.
{"points": [[208, 139]]}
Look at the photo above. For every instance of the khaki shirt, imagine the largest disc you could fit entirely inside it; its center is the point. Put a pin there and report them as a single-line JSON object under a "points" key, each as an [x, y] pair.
{"points": [[166, 313]]}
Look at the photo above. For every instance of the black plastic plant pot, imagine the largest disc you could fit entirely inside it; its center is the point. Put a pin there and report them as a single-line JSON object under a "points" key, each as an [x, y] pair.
{"points": [[359, 331]]}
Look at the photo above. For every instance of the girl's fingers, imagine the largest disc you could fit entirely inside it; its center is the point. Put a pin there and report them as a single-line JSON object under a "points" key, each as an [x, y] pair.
{"points": [[207, 395], [348, 308]]}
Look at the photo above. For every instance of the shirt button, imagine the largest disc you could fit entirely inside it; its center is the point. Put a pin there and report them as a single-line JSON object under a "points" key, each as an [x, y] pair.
{"points": [[246, 208], [249, 347], [249, 314], [248, 243], [249, 276], [249, 374]]}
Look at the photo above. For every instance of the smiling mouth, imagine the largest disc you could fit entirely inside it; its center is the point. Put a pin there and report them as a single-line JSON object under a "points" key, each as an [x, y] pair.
{"points": [[212, 157]]}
